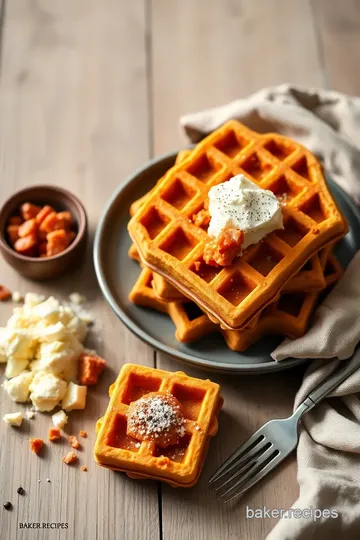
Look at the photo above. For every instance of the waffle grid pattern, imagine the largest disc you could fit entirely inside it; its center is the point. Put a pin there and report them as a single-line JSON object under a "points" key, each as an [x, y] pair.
{"points": [[170, 243], [182, 465], [288, 316]]}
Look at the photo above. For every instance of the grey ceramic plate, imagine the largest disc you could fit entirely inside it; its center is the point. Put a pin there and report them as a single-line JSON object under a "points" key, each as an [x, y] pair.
{"points": [[117, 273]]}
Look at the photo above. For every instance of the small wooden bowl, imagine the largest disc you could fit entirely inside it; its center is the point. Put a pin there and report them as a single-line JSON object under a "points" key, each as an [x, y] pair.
{"points": [[47, 267]]}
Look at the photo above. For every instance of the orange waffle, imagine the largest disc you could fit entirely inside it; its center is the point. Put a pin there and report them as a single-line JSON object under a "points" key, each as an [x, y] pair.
{"points": [[309, 278], [136, 205], [288, 316], [170, 244], [179, 465], [190, 322]]}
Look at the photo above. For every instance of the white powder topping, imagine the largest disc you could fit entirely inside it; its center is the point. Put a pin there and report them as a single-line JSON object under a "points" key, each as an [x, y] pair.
{"points": [[154, 417]]}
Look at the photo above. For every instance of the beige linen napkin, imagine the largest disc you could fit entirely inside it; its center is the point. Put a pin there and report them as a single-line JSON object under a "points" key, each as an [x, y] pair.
{"points": [[328, 123]]}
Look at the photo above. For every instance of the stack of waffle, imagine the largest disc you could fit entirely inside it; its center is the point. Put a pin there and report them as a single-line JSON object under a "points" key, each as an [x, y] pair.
{"points": [[274, 286]]}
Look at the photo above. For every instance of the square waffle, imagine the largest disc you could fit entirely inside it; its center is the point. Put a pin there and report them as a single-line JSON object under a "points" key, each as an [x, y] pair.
{"points": [[309, 278], [288, 316], [136, 205], [172, 245], [190, 322], [179, 465]]}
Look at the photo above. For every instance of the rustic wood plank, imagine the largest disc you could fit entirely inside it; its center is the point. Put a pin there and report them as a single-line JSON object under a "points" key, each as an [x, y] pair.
{"points": [[73, 112], [211, 52], [339, 29], [203, 54], [250, 401]]}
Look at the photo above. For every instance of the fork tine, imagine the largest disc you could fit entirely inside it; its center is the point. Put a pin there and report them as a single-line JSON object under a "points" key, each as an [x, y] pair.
{"points": [[258, 476], [244, 462], [251, 443], [253, 476], [245, 468]]}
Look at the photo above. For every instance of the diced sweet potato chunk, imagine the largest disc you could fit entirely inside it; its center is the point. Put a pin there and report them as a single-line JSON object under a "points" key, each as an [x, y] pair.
{"points": [[28, 227], [36, 445], [57, 241], [29, 210], [5, 294], [54, 434], [49, 223], [45, 211], [90, 368], [74, 442], [64, 220], [40, 231], [70, 457], [13, 233], [26, 245]]}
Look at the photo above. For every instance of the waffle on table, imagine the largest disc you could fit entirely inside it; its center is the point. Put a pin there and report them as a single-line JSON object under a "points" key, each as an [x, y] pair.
{"points": [[172, 245], [179, 465], [288, 316]]}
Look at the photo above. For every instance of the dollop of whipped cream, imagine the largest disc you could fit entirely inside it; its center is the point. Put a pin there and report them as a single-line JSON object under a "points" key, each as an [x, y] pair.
{"points": [[241, 204]]}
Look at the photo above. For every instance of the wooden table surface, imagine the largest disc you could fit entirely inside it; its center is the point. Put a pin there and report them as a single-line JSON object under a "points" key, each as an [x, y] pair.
{"points": [[89, 91]]}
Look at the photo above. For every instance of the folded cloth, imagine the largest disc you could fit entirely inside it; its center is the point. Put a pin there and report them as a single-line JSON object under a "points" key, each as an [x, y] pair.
{"points": [[324, 121], [328, 123]]}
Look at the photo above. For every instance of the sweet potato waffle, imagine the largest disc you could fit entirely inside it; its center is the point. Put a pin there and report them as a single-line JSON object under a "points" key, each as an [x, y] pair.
{"points": [[190, 322], [309, 278], [288, 316], [179, 465], [136, 205], [172, 245]]}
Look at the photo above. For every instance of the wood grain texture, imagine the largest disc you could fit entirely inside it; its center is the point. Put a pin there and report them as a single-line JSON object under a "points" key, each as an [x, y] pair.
{"points": [[339, 35], [72, 99], [88, 91], [209, 52], [215, 52]]}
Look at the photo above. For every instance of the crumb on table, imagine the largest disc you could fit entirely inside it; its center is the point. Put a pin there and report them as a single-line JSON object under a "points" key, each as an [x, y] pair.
{"points": [[5, 294], [54, 434], [74, 442], [70, 457], [83, 434], [90, 368], [83, 468], [36, 445]]}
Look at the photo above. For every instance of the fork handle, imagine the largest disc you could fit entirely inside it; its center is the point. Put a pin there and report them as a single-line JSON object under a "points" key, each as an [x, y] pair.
{"points": [[344, 371]]}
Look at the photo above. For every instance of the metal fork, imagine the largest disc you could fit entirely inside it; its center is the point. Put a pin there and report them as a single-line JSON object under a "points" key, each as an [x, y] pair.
{"points": [[273, 442]]}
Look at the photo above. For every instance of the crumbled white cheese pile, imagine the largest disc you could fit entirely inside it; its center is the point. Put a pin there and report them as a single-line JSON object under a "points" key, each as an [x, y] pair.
{"points": [[41, 345]]}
